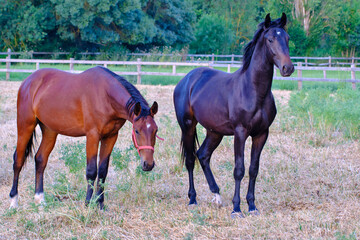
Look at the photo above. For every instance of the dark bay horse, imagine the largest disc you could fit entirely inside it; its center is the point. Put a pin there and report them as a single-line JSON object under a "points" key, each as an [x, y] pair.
{"points": [[95, 103], [239, 104]]}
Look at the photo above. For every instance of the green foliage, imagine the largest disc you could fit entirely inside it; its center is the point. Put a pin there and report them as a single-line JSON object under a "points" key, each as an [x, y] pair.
{"points": [[173, 21], [74, 156], [298, 40], [348, 30], [322, 108], [121, 159], [241, 18], [212, 35], [115, 27], [93, 25], [24, 25]]}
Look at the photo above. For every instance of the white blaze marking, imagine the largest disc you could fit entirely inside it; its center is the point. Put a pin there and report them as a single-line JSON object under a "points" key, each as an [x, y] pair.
{"points": [[148, 125], [278, 33], [14, 202]]}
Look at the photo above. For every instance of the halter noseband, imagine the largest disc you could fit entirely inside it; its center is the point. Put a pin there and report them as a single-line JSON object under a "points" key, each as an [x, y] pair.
{"points": [[138, 148]]}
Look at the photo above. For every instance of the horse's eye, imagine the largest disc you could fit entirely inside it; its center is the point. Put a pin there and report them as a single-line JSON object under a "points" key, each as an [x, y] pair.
{"points": [[270, 40], [136, 131]]}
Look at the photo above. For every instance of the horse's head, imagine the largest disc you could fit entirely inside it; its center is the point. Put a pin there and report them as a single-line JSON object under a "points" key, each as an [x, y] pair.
{"points": [[277, 42], [144, 135]]}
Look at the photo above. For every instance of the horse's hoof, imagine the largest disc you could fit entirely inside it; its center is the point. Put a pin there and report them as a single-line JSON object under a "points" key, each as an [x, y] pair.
{"points": [[217, 200], [39, 199], [235, 215], [254, 212], [192, 205], [102, 207], [14, 202]]}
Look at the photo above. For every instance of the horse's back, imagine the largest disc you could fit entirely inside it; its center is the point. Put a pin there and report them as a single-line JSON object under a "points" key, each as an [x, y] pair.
{"points": [[203, 94], [53, 95]]}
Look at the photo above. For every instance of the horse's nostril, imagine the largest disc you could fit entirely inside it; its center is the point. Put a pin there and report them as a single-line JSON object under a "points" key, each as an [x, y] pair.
{"points": [[284, 68]]}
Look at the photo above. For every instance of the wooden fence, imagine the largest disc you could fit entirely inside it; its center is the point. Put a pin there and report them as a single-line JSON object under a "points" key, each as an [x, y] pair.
{"points": [[299, 67], [201, 58]]}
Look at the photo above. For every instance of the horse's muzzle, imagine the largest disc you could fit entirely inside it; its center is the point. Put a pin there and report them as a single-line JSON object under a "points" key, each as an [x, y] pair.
{"points": [[287, 70], [146, 167]]}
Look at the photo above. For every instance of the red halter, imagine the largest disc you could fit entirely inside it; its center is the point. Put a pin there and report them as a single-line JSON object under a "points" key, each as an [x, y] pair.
{"points": [[138, 148]]}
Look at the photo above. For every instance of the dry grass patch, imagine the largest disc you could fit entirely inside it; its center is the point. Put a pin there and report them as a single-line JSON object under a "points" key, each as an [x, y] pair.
{"points": [[303, 190]]}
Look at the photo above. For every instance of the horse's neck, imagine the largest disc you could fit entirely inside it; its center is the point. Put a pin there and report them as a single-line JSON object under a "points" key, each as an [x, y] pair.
{"points": [[118, 99], [259, 75]]}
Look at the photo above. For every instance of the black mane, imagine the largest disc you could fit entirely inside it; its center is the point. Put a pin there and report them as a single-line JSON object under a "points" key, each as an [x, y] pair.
{"points": [[250, 47], [135, 96]]}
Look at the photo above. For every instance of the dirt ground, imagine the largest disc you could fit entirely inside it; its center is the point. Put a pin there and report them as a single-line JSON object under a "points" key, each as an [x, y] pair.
{"points": [[307, 187]]}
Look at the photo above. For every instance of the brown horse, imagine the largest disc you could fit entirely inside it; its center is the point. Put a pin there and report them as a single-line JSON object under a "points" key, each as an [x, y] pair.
{"points": [[95, 104], [239, 104]]}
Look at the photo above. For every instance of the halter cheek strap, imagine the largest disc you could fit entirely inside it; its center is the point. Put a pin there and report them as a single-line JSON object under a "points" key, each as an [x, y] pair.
{"points": [[138, 148]]}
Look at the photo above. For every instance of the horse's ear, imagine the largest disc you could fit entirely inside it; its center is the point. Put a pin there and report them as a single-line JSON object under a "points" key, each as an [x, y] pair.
{"points": [[283, 20], [137, 109], [154, 109], [267, 21]]}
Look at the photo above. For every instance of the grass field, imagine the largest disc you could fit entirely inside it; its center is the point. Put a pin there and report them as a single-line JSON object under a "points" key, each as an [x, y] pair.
{"points": [[307, 187]]}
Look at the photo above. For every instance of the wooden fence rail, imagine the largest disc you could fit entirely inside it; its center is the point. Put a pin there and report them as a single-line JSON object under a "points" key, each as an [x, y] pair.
{"points": [[221, 59], [299, 67]]}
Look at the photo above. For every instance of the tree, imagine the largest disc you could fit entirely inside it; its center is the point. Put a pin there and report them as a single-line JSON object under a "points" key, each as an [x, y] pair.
{"points": [[317, 18], [80, 25], [241, 18], [348, 30], [102, 22], [24, 23], [212, 35], [174, 21]]}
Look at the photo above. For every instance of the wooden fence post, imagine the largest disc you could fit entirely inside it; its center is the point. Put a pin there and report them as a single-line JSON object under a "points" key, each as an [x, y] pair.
{"points": [[211, 65], [105, 65], [329, 61], [8, 64], [324, 72], [213, 58], [138, 66], [299, 75], [306, 61], [37, 65], [232, 58], [275, 71], [174, 69], [353, 76], [71, 64], [229, 68]]}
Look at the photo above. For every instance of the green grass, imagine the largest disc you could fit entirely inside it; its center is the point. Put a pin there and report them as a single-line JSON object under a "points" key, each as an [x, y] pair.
{"points": [[328, 111]]}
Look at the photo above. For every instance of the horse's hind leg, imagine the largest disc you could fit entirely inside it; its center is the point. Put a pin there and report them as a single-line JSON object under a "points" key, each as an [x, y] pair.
{"points": [[41, 159], [26, 128], [188, 143], [210, 143]]}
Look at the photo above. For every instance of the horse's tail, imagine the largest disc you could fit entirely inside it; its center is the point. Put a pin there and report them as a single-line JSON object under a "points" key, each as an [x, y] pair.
{"points": [[30, 146]]}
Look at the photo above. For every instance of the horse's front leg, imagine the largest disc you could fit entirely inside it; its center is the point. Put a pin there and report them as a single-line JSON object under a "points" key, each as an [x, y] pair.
{"points": [[258, 143], [239, 170], [92, 144], [106, 148]]}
